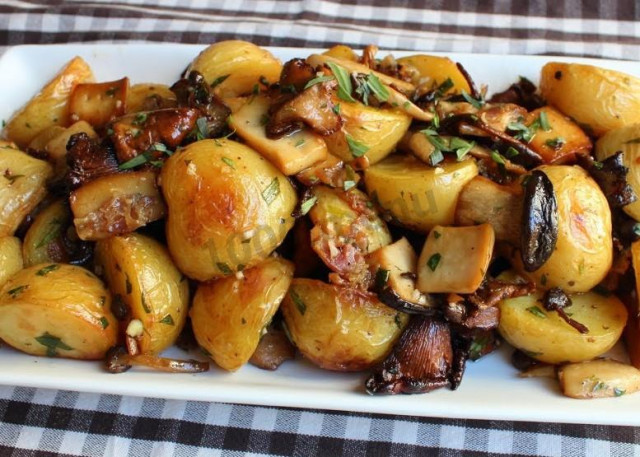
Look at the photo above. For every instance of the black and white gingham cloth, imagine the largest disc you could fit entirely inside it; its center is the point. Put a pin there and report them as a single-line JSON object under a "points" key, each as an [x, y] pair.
{"points": [[41, 422]]}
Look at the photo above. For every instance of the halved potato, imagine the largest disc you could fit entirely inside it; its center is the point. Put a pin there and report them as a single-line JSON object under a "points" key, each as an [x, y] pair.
{"points": [[50, 106], [434, 70], [42, 241], [562, 142], [98, 103], [10, 257], [234, 67], [545, 336], [57, 310], [600, 100], [142, 276], [598, 379], [230, 314], [340, 328]]}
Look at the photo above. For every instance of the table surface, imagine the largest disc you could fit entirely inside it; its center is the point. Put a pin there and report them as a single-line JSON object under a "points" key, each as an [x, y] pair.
{"points": [[48, 422]]}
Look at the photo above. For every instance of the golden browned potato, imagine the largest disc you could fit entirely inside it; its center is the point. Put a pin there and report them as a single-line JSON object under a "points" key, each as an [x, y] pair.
{"points": [[228, 208], [291, 153], [98, 103], [140, 274], [627, 140], [367, 132], [10, 257], [234, 67], [340, 328], [417, 195], [57, 310], [432, 71], [42, 241], [584, 249], [230, 314], [143, 96], [22, 187], [56, 148], [42, 139], [545, 336], [50, 106], [341, 51], [598, 379], [598, 99]]}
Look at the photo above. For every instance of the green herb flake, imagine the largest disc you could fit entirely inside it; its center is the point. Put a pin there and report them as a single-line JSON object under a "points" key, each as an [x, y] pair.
{"points": [[381, 279], [318, 80], [202, 128], [345, 88], [618, 392], [348, 185], [357, 148], [48, 269], [543, 280], [472, 101], [302, 307], [138, 160], [378, 89], [271, 192], [299, 143], [229, 162], [219, 80], [168, 320], [139, 119], [497, 158], [511, 152], [306, 205], [521, 131], [537, 312], [460, 147], [336, 109], [555, 143], [224, 268], [433, 261], [544, 121], [16, 291], [436, 234], [478, 346], [52, 343], [54, 229], [264, 119], [436, 157], [443, 88], [104, 322]]}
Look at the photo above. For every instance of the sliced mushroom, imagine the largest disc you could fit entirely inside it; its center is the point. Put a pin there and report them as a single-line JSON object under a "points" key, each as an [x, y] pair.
{"points": [[611, 176], [88, 159], [273, 350], [118, 360]]}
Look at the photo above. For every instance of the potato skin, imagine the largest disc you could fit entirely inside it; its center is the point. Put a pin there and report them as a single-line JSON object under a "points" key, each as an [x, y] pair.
{"points": [[584, 250], [57, 310], [220, 193], [417, 195], [140, 273], [21, 188], [434, 70], [229, 314], [10, 257], [45, 230], [600, 99], [545, 336], [340, 328]]}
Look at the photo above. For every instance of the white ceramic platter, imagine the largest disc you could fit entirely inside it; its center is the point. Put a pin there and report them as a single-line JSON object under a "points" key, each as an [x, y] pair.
{"points": [[491, 388]]}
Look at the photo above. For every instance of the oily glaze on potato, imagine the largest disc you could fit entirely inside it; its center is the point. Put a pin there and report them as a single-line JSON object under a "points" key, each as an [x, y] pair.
{"points": [[49, 107], [229, 314], [598, 99], [417, 195], [44, 235], [584, 249], [148, 96], [140, 274], [545, 336], [57, 310], [340, 328], [234, 67], [228, 208], [435, 70], [10, 257], [22, 187]]}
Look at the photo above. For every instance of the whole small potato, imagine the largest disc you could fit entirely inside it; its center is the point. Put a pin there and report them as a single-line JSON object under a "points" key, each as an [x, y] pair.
{"points": [[228, 208], [141, 276], [598, 99], [43, 242], [10, 257], [545, 336], [340, 328], [57, 310], [229, 314], [584, 249]]}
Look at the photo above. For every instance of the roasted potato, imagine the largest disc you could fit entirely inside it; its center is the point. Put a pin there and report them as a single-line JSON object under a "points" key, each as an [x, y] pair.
{"points": [[627, 140], [141, 275], [230, 314], [228, 208], [147, 96], [417, 195], [598, 379], [50, 106], [10, 257], [42, 241], [584, 249], [57, 310], [342, 51], [56, 148], [545, 336], [22, 187], [340, 328], [235, 67], [432, 71], [599, 100], [98, 103]]}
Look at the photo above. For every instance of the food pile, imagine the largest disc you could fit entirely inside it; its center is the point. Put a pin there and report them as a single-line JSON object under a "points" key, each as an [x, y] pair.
{"points": [[370, 213]]}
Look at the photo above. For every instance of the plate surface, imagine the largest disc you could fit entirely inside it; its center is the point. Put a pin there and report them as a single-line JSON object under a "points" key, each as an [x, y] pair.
{"points": [[491, 388]]}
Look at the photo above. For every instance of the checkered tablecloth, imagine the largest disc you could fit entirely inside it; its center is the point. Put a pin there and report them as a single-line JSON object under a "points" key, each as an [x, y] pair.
{"points": [[46, 422]]}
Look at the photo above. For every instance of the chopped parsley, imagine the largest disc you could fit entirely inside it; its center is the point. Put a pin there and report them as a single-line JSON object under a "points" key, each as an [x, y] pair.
{"points": [[318, 80], [229, 162], [555, 143], [16, 291], [54, 229], [472, 101], [271, 192], [433, 261], [382, 277], [357, 148], [224, 268], [302, 307], [104, 322], [168, 320], [345, 88], [544, 121], [537, 312], [52, 343], [300, 142], [219, 80], [48, 269], [306, 205]]}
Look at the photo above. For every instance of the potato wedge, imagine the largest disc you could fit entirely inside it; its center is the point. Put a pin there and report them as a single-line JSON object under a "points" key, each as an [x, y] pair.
{"points": [[98, 103], [434, 70], [290, 154], [50, 106], [228, 208], [22, 187], [600, 100], [234, 67], [562, 142], [230, 314], [10, 257], [142, 276], [42, 139], [340, 328], [417, 195], [598, 379], [57, 310], [545, 336]]}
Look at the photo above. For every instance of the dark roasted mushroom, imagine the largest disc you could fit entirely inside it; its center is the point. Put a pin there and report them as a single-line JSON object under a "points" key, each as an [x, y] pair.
{"points": [[420, 362], [460, 347], [274, 349], [118, 360], [296, 73], [522, 93], [611, 176], [88, 159], [557, 300], [539, 221]]}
